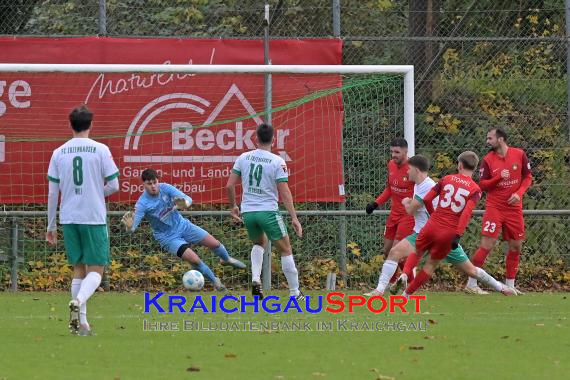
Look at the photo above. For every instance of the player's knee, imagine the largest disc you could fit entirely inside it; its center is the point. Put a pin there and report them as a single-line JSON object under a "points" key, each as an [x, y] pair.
{"points": [[515, 246], [395, 254], [487, 243], [469, 270]]}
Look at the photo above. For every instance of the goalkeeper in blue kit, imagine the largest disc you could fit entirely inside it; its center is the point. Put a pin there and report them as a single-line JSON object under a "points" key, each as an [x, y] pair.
{"points": [[159, 204]]}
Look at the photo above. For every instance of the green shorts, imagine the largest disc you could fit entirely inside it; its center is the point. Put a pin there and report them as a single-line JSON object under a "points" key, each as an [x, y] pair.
{"points": [[270, 222], [86, 243], [456, 256]]}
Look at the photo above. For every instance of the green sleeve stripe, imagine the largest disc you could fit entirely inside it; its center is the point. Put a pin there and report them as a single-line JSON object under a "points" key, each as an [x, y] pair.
{"points": [[112, 176], [281, 180], [56, 180], [419, 199], [236, 172]]}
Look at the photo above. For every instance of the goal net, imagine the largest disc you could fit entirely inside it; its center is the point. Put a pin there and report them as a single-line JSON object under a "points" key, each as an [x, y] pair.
{"points": [[333, 125]]}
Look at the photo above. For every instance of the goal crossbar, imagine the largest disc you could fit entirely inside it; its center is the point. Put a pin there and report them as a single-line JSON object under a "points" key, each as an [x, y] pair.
{"points": [[406, 70]]}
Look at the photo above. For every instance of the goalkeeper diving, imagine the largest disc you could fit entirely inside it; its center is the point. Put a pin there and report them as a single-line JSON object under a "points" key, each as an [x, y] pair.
{"points": [[160, 204]]}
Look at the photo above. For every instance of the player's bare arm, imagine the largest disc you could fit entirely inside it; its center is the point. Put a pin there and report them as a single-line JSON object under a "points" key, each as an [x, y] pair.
{"points": [[233, 180], [287, 199]]}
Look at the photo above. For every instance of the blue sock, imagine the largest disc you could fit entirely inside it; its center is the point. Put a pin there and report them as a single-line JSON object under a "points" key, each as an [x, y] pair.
{"points": [[221, 252], [205, 270]]}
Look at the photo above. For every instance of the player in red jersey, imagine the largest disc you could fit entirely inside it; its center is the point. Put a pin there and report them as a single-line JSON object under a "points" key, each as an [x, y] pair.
{"points": [[458, 195], [398, 186], [505, 176]]}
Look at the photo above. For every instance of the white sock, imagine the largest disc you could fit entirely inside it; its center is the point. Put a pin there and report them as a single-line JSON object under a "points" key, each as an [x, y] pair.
{"points": [[256, 262], [489, 280], [88, 286], [472, 282], [290, 271], [510, 282], [388, 270], [75, 286]]}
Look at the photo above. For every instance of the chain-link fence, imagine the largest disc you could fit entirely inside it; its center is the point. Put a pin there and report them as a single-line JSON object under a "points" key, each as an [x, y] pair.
{"points": [[477, 64]]}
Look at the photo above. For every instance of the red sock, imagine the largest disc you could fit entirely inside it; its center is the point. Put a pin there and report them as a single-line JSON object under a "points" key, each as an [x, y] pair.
{"points": [[512, 264], [411, 262], [420, 279], [480, 256]]}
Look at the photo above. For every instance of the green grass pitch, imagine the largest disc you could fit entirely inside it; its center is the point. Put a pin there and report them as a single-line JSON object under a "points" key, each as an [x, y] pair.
{"points": [[467, 337]]}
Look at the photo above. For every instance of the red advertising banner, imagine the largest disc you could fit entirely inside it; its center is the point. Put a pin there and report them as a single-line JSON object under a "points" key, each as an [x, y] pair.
{"points": [[190, 127]]}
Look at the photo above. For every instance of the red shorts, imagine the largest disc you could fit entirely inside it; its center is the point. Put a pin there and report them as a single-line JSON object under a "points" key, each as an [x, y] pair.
{"points": [[398, 227], [510, 221], [436, 240]]}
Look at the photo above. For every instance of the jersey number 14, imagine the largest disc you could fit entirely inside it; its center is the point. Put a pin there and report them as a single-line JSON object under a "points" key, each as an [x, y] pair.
{"points": [[255, 173]]}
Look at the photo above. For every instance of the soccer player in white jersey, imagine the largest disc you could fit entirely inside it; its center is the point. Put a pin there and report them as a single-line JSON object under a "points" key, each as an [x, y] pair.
{"points": [[84, 172], [418, 173], [263, 176]]}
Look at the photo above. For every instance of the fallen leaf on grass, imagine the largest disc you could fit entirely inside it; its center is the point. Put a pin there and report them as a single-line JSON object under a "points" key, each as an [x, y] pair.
{"points": [[230, 355], [380, 376]]}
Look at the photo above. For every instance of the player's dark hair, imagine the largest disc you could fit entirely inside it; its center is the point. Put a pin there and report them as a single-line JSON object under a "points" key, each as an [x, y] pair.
{"points": [[469, 159], [499, 132], [264, 133], [80, 118], [399, 142], [420, 162], [149, 175]]}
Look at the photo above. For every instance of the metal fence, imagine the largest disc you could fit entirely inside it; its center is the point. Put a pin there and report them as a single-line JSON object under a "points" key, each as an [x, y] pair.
{"points": [[478, 64]]}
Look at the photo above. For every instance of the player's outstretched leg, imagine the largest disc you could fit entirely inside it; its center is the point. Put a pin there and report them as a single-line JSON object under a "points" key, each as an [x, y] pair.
{"points": [[478, 273], [220, 250], [190, 256]]}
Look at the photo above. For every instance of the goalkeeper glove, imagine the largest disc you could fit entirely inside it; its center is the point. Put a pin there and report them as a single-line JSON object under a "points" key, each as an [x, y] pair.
{"points": [[370, 207], [128, 220], [455, 242], [181, 203]]}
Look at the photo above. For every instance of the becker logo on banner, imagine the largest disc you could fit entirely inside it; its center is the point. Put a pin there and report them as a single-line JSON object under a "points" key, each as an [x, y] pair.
{"points": [[189, 127]]}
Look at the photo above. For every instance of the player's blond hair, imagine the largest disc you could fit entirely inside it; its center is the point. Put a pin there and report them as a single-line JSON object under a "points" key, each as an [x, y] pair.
{"points": [[469, 159]]}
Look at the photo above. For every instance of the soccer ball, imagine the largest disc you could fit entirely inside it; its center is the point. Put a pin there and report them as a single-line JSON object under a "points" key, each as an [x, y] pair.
{"points": [[193, 280]]}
